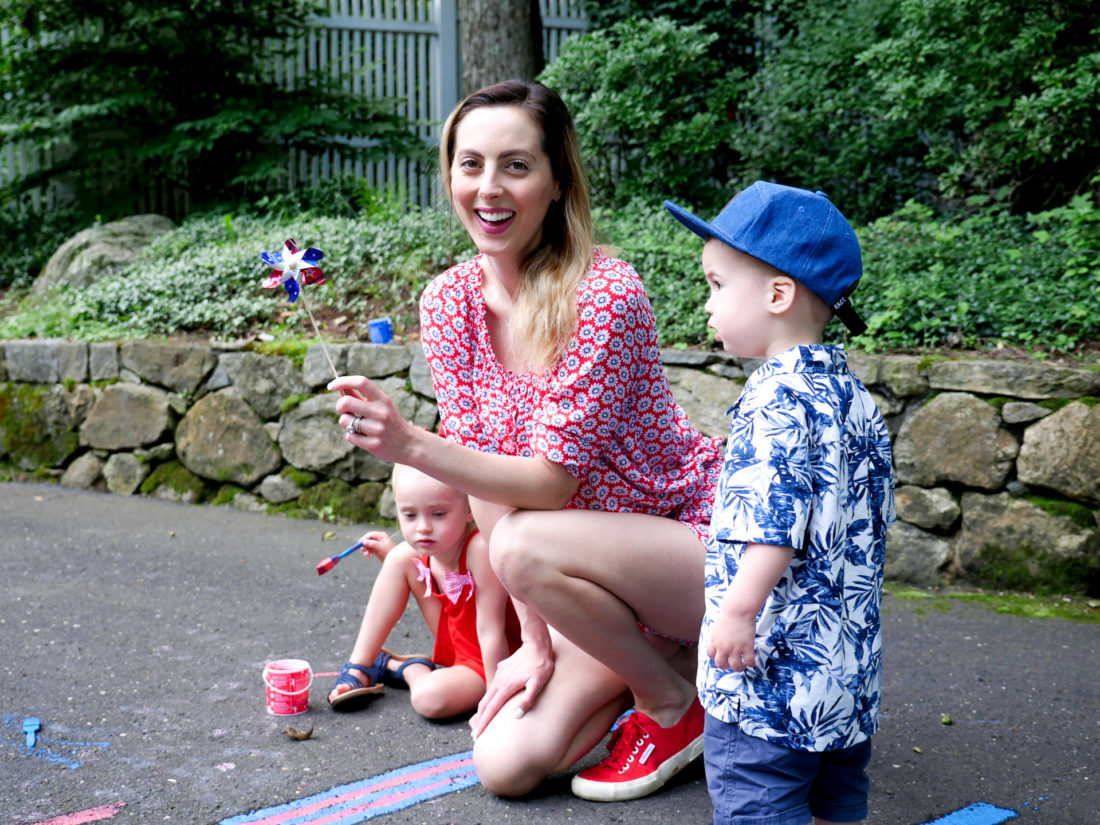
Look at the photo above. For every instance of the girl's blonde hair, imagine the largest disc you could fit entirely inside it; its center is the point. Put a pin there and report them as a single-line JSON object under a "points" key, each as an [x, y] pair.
{"points": [[544, 317]]}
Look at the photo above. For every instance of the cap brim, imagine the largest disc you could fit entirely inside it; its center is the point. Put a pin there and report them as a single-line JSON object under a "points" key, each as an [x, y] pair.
{"points": [[700, 227], [849, 317]]}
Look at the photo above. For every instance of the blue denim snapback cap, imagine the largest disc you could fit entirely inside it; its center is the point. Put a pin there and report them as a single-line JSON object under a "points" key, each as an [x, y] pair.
{"points": [[797, 231]]}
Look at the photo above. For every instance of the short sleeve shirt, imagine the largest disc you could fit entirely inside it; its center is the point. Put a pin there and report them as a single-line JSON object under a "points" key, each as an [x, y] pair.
{"points": [[604, 411], [807, 466]]}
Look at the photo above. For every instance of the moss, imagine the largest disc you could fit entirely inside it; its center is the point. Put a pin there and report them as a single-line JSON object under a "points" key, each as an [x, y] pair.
{"points": [[290, 509], [336, 500], [69, 384], [1073, 608], [294, 350], [1032, 569], [1089, 401], [293, 401], [998, 403], [1054, 404], [1079, 514], [178, 479], [303, 478], [25, 428], [928, 361], [226, 493]]}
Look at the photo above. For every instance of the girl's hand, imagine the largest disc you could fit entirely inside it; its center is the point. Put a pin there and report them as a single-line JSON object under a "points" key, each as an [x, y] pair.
{"points": [[376, 424], [527, 670], [377, 543]]}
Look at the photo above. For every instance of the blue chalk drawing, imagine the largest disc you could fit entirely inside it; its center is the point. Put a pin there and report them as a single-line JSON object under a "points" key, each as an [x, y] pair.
{"points": [[42, 750], [977, 814]]}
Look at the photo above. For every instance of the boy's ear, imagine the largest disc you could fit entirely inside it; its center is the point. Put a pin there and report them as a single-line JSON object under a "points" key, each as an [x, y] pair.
{"points": [[782, 290]]}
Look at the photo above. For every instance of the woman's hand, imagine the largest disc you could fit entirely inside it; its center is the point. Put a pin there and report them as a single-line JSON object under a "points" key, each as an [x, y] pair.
{"points": [[527, 670], [376, 425]]}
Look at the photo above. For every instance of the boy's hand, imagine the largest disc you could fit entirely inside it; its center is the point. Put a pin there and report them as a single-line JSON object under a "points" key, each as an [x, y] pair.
{"points": [[732, 642], [733, 636]]}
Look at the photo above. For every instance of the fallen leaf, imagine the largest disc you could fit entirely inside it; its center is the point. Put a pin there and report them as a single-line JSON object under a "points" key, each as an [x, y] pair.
{"points": [[300, 735]]}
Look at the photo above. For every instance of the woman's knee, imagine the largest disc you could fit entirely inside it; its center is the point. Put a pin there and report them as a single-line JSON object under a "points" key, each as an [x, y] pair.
{"points": [[517, 551], [504, 770]]}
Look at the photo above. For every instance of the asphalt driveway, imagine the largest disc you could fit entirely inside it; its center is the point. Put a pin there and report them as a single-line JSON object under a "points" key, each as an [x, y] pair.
{"points": [[136, 630]]}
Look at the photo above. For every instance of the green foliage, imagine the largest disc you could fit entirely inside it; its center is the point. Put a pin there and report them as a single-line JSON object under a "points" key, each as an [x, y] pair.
{"points": [[804, 117], [175, 99], [953, 103], [990, 279], [649, 127], [32, 236], [204, 277], [667, 257], [987, 280], [1004, 95], [732, 22]]}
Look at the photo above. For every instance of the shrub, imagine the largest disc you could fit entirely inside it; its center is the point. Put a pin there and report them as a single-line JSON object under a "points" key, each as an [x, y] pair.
{"points": [[204, 277], [648, 126], [986, 280], [175, 100]]}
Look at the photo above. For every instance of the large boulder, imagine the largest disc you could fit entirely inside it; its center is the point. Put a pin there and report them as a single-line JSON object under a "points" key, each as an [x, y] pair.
{"points": [[916, 557], [38, 423], [126, 416], [1062, 453], [955, 438], [179, 367], [221, 438], [705, 397], [1011, 378], [264, 381], [94, 252], [1020, 545]]}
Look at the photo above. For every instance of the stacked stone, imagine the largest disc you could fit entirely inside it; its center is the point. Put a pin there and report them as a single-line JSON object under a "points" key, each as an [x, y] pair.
{"points": [[997, 462]]}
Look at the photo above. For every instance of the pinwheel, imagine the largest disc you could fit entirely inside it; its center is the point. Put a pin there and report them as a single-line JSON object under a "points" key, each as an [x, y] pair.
{"points": [[295, 268]]}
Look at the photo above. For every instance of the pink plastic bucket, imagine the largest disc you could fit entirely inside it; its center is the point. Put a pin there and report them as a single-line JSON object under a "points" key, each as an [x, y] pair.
{"points": [[287, 682]]}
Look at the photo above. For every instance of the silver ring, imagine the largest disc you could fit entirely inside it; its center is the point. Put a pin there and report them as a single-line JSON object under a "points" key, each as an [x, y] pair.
{"points": [[353, 427]]}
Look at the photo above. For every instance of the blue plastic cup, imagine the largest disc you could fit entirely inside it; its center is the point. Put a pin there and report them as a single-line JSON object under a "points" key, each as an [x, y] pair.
{"points": [[381, 330]]}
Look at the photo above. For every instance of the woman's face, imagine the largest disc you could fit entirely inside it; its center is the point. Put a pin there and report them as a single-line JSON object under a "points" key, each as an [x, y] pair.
{"points": [[502, 183]]}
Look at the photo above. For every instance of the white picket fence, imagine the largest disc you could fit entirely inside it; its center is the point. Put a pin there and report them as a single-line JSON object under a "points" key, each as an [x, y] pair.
{"points": [[406, 49]]}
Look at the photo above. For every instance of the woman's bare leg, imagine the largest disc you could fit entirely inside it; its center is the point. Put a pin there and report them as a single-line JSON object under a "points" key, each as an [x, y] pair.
{"points": [[593, 576], [570, 717]]}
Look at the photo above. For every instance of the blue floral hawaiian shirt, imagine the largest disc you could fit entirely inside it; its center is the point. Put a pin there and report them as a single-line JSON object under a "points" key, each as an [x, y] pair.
{"points": [[807, 466]]}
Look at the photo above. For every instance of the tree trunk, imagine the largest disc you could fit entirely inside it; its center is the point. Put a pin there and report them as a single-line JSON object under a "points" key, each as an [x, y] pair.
{"points": [[500, 39]]}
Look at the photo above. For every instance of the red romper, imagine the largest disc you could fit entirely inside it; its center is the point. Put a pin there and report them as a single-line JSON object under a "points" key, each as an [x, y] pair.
{"points": [[604, 411], [456, 641]]}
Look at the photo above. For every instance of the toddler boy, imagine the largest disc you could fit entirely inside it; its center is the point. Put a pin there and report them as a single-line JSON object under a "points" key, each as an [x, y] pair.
{"points": [[791, 646]]}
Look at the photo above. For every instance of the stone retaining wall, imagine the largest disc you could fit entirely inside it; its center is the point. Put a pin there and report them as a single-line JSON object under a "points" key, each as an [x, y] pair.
{"points": [[998, 463]]}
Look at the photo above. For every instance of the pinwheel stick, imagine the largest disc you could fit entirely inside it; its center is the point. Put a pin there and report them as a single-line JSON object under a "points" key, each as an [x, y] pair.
{"points": [[320, 337]]}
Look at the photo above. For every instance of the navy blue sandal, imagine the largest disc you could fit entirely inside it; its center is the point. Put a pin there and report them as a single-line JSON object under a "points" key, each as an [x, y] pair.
{"points": [[396, 678], [358, 689]]}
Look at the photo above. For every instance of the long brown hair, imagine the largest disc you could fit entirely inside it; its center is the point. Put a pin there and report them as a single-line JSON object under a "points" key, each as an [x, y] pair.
{"points": [[544, 317]]}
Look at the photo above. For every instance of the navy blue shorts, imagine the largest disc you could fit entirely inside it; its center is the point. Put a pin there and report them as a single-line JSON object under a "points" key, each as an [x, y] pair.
{"points": [[755, 782]]}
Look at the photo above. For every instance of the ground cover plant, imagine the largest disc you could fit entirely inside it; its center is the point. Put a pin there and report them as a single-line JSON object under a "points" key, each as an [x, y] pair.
{"points": [[993, 281]]}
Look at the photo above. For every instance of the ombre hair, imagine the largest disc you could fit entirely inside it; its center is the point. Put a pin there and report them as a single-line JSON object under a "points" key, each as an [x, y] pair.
{"points": [[544, 317]]}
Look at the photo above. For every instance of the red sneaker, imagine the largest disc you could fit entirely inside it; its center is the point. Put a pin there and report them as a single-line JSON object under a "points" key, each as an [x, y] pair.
{"points": [[642, 756]]}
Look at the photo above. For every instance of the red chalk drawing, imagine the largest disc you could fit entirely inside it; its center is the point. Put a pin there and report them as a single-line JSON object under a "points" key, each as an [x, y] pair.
{"points": [[90, 815]]}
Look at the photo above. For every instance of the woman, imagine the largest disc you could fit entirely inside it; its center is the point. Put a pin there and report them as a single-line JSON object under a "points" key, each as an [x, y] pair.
{"points": [[592, 486]]}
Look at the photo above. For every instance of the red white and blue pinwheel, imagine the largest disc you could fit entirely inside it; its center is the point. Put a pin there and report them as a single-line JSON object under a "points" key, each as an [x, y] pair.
{"points": [[293, 268]]}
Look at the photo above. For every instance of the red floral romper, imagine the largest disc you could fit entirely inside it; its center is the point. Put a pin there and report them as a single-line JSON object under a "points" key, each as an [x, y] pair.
{"points": [[605, 411]]}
